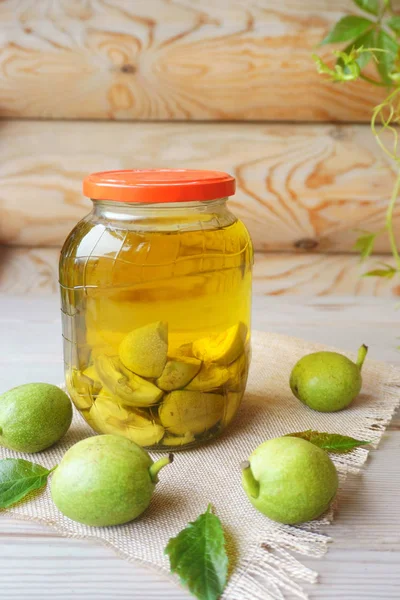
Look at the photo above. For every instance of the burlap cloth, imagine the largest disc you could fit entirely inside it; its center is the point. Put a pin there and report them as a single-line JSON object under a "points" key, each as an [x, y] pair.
{"points": [[262, 565]]}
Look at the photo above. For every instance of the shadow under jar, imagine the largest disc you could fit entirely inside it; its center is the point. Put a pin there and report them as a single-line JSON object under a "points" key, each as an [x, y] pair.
{"points": [[156, 302]]}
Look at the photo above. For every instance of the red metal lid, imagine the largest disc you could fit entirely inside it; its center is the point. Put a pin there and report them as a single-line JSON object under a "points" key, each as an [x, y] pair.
{"points": [[158, 185]]}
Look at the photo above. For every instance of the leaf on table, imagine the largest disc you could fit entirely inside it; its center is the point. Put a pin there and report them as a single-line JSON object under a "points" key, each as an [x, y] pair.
{"points": [[331, 442], [371, 6], [198, 556], [19, 477], [387, 58], [365, 244], [348, 28]]}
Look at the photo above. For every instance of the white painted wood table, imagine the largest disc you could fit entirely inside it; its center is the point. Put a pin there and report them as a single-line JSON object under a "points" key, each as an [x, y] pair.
{"points": [[363, 563]]}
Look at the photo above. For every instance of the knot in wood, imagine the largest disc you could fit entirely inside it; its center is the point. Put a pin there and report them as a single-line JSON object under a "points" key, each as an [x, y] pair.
{"points": [[128, 68], [306, 244]]}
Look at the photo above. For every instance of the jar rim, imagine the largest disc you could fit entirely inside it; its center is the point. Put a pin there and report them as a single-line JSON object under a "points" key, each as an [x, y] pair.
{"points": [[159, 186]]}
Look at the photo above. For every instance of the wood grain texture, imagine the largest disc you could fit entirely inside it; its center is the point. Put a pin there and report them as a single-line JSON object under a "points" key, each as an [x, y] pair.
{"points": [[29, 270], [362, 562], [319, 275], [299, 186], [35, 271], [173, 59]]}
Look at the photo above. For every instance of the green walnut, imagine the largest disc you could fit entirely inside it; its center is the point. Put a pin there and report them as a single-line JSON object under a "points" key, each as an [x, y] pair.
{"points": [[183, 350], [144, 350], [210, 377], [33, 417], [91, 373], [142, 430], [104, 407], [175, 440], [105, 480], [178, 372], [290, 480], [184, 411], [107, 415], [233, 400], [131, 389], [222, 348], [327, 381], [83, 386]]}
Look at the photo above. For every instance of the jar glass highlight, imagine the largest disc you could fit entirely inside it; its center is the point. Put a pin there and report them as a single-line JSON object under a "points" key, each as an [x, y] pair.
{"points": [[156, 303]]}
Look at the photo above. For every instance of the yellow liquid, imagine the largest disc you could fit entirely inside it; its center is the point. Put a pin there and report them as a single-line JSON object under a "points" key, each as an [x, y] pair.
{"points": [[116, 280]]}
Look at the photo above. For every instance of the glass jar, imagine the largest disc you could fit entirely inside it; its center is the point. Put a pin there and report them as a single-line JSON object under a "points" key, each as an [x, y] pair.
{"points": [[156, 301]]}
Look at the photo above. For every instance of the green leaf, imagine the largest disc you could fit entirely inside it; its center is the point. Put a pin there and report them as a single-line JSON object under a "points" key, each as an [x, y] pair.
{"points": [[347, 29], [19, 477], [337, 74], [394, 24], [386, 59], [365, 244], [346, 65], [331, 442], [389, 272], [197, 554], [371, 6], [362, 43]]}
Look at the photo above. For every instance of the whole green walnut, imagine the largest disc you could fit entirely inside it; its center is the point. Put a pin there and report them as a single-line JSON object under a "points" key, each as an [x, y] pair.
{"points": [[105, 480], [290, 480], [33, 417], [327, 381]]}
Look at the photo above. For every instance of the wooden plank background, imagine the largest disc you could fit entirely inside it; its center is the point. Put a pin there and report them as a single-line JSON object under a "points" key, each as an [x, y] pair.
{"points": [[34, 271], [163, 59], [305, 190], [299, 186]]}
